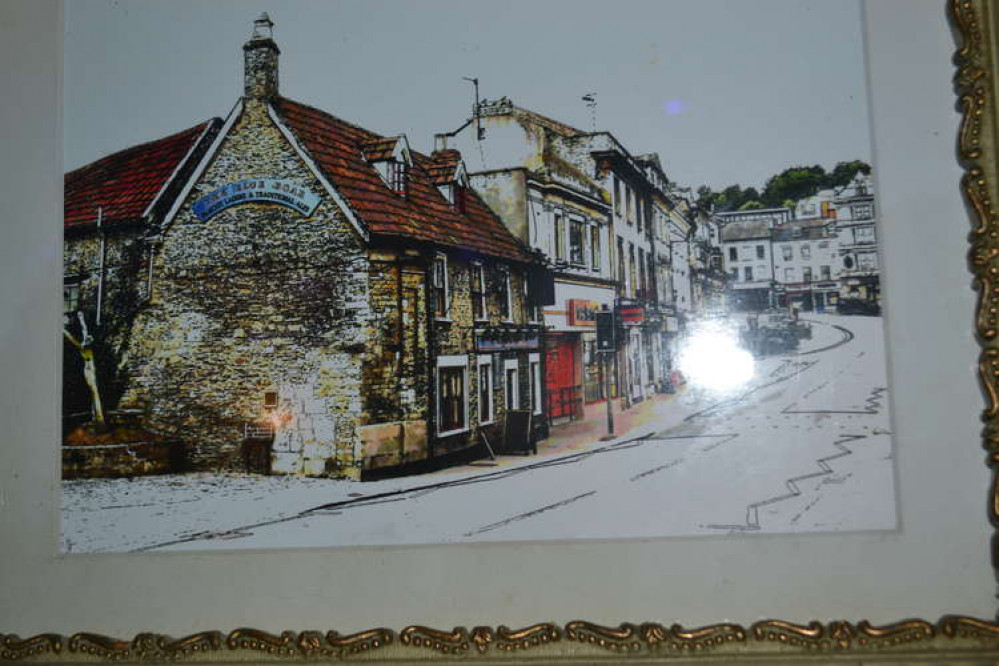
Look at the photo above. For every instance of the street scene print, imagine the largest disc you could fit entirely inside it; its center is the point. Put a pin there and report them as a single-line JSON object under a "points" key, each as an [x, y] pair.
{"points": [[377, 274]]}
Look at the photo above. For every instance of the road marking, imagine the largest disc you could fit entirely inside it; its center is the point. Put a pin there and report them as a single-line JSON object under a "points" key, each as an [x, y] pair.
{"points": [[752, 523], [661, 468], [529, 514], [873, 402]]}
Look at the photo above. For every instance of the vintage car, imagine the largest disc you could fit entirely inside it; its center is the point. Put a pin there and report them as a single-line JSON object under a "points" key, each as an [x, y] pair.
{"points": [[774, 331], [859, 306]]}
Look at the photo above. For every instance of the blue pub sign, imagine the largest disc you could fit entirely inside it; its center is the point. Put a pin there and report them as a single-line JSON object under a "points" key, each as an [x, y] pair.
{"points": [[256, 190]]}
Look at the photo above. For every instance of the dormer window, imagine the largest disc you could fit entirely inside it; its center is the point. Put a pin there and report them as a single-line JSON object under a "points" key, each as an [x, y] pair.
{"points": [[455, 190], [391, 159], [395, 176]]}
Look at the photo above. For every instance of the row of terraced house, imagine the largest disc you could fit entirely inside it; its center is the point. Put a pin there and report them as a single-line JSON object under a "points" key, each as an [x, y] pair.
{"points": [[821, 255], [284, 291]]}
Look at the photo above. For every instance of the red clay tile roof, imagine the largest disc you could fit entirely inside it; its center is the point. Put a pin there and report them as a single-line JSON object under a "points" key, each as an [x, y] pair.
{"points": [[444, 166], [421, 214], [379, 149], [125, 183]]}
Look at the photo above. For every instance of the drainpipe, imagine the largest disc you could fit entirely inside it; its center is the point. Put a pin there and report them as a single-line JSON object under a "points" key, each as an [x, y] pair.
{"points": [[431, 356], [399, 354], [100, 274]]}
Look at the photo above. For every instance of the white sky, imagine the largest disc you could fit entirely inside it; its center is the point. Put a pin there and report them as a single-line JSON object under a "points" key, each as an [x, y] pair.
{"points": [[725, 91]]}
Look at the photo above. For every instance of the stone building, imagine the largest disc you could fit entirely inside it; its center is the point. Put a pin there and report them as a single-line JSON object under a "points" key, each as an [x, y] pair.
{"points": [[860, 274], [324, 300], [707, 276], [670, 229], [110, 207], [622, 175], [559, 209], [805, 256], [747, 253]]}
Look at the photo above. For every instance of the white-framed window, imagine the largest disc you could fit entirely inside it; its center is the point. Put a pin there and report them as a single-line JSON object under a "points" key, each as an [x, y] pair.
{"points": [[806, 251], [395, 175], [761, 252], [733, 254], [506, 295], [825, 273], [440, 286], [747, 274], [559, 237], [787, 252], [534, 361], [452, 394], [479, 311], [863, 234], [863, 211], [511, 384], [487, 410], [789, 275], [533, 310], [577, 255], [806, 274], [867, 261], [71, 296], [595, 247]]}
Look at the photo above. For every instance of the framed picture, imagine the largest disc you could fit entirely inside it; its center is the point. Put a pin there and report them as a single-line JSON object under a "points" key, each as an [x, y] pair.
{"points": [[446, 345], [278, 318]]}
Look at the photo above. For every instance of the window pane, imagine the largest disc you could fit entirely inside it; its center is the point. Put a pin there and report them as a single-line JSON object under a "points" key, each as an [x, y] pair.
{"points": [[576, 243], [478, 292], [485, 393], [440, 287], [595, 248], [451, 394], [559, 238]]}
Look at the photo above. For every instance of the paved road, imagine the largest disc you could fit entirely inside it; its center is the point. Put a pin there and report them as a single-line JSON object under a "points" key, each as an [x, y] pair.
{"points": [[803, 447]]}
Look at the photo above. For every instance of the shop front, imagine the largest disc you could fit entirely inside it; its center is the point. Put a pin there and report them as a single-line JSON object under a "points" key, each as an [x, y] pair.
{"points": [[636, 349], [573, 366], [564, 381]]}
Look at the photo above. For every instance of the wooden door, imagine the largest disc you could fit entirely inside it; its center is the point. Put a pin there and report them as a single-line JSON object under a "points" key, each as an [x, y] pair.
{"points": [[560, 380]]}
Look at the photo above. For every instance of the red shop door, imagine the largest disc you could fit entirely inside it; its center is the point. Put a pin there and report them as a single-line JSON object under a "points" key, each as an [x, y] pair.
{"points": [[560, 384]]}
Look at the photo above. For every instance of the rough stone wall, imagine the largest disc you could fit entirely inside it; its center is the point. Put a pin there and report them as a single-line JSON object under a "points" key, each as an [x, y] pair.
{"points": [[458, 337], [256, 299], [398, 417], [395, 381], [119, 460]]}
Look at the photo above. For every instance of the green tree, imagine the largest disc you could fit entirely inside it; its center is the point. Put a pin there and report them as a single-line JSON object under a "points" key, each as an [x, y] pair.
{"points": [[795, 183], [844, 172]]}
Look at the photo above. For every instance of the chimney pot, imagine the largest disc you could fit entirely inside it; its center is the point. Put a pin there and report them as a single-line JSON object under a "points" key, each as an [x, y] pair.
{"points": [[263, 27], [260, 61]]}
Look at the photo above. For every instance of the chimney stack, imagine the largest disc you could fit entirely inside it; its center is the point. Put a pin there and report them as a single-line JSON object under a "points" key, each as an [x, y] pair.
{"points": [[260, 57]]}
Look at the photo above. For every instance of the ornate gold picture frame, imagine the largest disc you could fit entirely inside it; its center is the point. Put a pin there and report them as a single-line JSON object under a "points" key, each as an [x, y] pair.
{"points": [[952, 638]]}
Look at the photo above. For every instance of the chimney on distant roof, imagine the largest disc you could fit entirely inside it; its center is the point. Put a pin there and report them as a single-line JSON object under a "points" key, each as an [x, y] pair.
{"points": [[260, 58]]}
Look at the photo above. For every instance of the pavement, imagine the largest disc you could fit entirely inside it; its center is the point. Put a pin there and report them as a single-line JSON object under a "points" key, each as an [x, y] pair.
{"points": [[803, 446]]}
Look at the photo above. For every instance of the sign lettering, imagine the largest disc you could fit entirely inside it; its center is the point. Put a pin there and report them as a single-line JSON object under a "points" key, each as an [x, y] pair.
{"points": [[632, 315], [582, 313], [260, 190], [485, 343]]}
